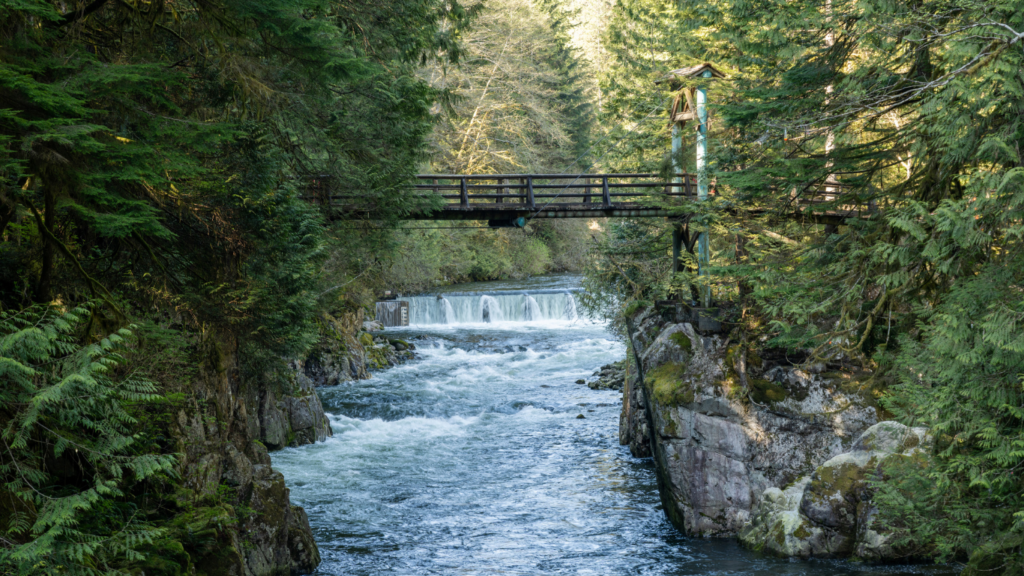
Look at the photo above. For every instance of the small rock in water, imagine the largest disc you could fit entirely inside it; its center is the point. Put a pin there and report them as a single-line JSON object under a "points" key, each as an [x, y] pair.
{"points": [[580, 417], [581, 381]]}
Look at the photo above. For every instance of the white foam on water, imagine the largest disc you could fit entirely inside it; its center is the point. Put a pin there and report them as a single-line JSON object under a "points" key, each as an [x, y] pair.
{"points": [[531, 310], [447, 313], [498, 308]]}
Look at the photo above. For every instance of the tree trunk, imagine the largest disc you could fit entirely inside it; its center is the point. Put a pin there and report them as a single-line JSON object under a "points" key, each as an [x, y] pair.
{"points": [[49, 219], [741, 256], [6, 215]]}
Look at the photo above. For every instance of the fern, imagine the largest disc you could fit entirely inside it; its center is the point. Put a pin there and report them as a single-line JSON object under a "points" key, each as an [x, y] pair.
{"points": [[64, 406]]}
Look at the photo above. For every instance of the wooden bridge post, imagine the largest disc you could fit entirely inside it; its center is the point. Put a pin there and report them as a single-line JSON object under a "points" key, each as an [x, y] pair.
{"points": [[463, 193], [586, 197], [677, 247], [501, 191], [606, 196], [529, 192]]}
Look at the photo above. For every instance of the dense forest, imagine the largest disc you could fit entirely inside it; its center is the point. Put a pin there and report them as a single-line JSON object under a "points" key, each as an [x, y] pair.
{"points": [[158, 161], [914, 111]]}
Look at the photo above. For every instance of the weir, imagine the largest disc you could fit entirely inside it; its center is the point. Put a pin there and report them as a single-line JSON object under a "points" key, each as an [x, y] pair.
{"points": [[492, 307]]}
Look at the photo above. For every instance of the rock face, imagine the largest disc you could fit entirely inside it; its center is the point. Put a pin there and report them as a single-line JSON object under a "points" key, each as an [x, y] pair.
{"points": [[348, 350], [725, 426], [829, 512], [230, 496], [295, 418], [233, 499]]}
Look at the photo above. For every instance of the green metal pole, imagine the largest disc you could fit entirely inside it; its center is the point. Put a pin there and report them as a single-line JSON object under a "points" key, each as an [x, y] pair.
{"points": [[677, 145], [703, 250]]}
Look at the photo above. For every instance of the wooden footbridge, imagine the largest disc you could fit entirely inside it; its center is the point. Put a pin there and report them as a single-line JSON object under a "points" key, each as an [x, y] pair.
{"points": [[513, 199]]}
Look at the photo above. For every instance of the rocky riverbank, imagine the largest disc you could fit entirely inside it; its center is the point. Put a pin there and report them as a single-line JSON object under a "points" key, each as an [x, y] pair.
{"points": [[227, 428], [748, 443]]}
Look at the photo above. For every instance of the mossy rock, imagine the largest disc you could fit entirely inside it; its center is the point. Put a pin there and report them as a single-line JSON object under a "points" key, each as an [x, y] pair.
{"points": [[731, 387], [682, 340], [670, 429], [366, 339], [766, 392], [835, 489], [666, 381]]}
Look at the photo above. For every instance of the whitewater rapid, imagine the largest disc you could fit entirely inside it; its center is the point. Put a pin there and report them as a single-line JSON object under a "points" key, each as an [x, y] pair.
{"points": [[472, 459]]}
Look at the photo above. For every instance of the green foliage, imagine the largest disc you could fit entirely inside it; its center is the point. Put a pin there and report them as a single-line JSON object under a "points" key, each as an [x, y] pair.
{"points": [[962, 378], [69, 447], [914, 110]]}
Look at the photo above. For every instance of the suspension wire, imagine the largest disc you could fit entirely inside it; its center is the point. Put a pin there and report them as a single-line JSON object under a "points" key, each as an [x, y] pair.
{"points": [[616, 143]]}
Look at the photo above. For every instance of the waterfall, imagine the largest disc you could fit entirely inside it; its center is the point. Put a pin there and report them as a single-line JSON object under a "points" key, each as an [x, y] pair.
{"points": [[490, 309], [447, 313], [531, 311], [570, 307], [498, 306]]}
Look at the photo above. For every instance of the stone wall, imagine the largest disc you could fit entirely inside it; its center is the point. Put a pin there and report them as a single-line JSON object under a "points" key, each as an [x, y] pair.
{"points": [[739, 439]]}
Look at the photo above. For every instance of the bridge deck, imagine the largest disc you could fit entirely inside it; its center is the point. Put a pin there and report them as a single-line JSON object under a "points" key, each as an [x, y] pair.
{"points": [[505, 197]]}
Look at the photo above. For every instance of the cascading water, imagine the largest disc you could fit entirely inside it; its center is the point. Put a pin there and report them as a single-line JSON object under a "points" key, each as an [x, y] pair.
{"points": [[531, 310], [447, 313], [482, 456], [491, 307], [570, 307]]}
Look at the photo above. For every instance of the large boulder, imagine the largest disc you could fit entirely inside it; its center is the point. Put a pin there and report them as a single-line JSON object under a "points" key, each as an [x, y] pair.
{"points": [[724, 426], [829, 512]]}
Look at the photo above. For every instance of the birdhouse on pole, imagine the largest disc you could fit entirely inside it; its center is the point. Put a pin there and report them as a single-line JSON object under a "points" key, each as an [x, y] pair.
{"points": [[684, 105], [690, 103]]}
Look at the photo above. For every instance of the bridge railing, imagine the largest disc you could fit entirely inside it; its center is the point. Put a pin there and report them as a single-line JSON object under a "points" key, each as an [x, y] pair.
{"points": [[468, 192], [531, 190]]}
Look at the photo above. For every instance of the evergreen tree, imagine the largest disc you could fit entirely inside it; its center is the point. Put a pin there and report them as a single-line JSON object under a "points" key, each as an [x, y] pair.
{"points": [[913, 113]]}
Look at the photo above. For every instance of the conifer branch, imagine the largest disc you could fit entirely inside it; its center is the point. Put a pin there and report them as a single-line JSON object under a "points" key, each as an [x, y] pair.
{"points": [[93, 284]]}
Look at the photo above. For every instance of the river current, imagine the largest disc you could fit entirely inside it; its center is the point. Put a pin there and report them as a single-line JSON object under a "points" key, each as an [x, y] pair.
{"points": [[472, 459]]}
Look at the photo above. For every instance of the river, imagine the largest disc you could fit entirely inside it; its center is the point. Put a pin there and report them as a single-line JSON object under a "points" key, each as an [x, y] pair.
{"points": [[473, 459]]}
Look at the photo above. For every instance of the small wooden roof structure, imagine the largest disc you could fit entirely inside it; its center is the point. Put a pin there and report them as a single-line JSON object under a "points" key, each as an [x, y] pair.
{"points": [[683, 107], [690, 72]]}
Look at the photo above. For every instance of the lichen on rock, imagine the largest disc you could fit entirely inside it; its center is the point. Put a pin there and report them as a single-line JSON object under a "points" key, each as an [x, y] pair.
{"points": [[831, 514], [726, 423]]}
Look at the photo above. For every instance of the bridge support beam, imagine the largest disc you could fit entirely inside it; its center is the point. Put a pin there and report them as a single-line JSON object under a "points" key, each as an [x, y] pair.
{"points": [[703, 240], [677, 248]]}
